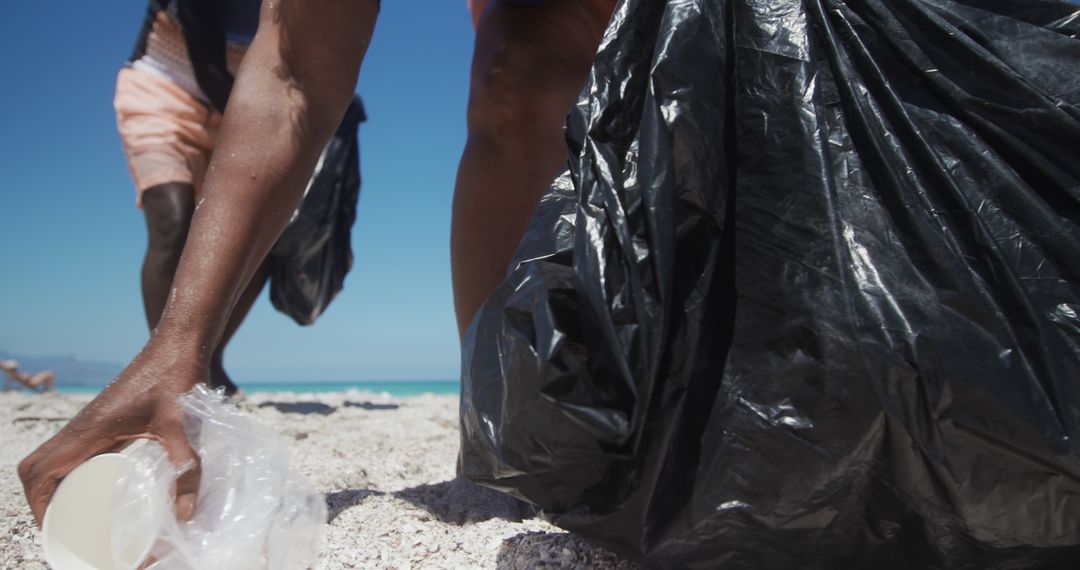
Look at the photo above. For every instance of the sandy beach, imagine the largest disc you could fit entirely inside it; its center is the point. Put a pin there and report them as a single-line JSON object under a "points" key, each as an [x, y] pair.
{"points": [[386, 465]]}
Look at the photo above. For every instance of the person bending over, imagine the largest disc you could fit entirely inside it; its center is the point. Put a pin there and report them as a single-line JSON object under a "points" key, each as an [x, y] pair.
{"points": [[169, 101], [531, 59]]}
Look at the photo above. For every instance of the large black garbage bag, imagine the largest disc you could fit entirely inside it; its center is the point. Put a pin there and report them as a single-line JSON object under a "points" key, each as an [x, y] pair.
{"points": [[310, 260], [807, 296]]}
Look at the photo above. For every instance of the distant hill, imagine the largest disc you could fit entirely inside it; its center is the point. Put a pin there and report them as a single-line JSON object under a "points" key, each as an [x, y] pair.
{"points": [[69, 370]]}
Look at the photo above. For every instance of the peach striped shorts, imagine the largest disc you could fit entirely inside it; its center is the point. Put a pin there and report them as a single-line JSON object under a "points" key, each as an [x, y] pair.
{"points": [[168, 134]]}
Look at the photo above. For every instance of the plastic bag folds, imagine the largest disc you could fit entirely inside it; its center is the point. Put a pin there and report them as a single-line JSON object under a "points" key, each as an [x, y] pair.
{"points": [[311, 258], [254, 512], [807, 295]]}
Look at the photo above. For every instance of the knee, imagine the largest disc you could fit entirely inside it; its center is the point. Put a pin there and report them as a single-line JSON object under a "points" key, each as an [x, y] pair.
{"points": [[527, 72], [531, 60], [505, 101], [166, 236], [168, 216]]}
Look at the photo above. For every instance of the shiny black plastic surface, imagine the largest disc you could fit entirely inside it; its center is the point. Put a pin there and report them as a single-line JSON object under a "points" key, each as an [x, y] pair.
{"points": [[807, 294], [310, 260]]}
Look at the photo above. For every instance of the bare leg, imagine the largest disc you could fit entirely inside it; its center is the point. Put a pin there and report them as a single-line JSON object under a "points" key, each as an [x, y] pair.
{"points": [[43, 381], [169, 209], [218, 376], [530, 62]]}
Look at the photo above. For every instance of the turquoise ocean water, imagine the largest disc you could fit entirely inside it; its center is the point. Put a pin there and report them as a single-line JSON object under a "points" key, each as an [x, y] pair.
{"points": [[394, 388]]}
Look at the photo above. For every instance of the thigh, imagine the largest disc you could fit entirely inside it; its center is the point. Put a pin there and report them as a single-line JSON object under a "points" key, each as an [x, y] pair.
{"points": [[597, 12]]}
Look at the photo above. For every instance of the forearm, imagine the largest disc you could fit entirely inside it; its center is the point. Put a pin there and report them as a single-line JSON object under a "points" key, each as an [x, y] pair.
{"points": [[291, 91]]}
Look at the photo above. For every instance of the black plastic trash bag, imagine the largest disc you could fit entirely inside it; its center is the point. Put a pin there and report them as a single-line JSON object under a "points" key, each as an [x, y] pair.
{"points": [[807, 296], [309, 262]]}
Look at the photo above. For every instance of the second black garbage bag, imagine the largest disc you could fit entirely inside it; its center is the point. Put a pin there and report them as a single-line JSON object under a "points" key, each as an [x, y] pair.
{"points": [[808, 294]]}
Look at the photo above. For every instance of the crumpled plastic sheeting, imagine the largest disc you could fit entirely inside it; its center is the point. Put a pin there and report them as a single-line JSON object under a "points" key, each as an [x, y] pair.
{"points": [[807, 295], [254, 512], [308, 263]]}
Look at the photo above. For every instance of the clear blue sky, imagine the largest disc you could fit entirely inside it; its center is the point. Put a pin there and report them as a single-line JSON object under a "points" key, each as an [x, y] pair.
{"points": [[72, 241]]}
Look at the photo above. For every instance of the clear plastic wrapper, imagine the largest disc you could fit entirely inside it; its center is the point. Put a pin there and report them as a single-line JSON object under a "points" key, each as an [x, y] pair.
{"points": [[253, 510]]}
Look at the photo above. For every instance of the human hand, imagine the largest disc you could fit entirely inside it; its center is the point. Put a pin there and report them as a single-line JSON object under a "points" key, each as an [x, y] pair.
{"points": [[141, 403]]}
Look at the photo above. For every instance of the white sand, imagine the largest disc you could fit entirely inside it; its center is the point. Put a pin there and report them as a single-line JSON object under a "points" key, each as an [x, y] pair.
{"points": [[386, 465]]}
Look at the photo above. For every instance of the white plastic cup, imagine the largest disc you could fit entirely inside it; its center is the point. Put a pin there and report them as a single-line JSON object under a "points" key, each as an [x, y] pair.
{"points": [[85, 513]]}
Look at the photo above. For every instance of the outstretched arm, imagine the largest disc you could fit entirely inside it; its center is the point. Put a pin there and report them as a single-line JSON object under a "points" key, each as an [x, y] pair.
{"points": [[295, 83], [292, 89]]}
